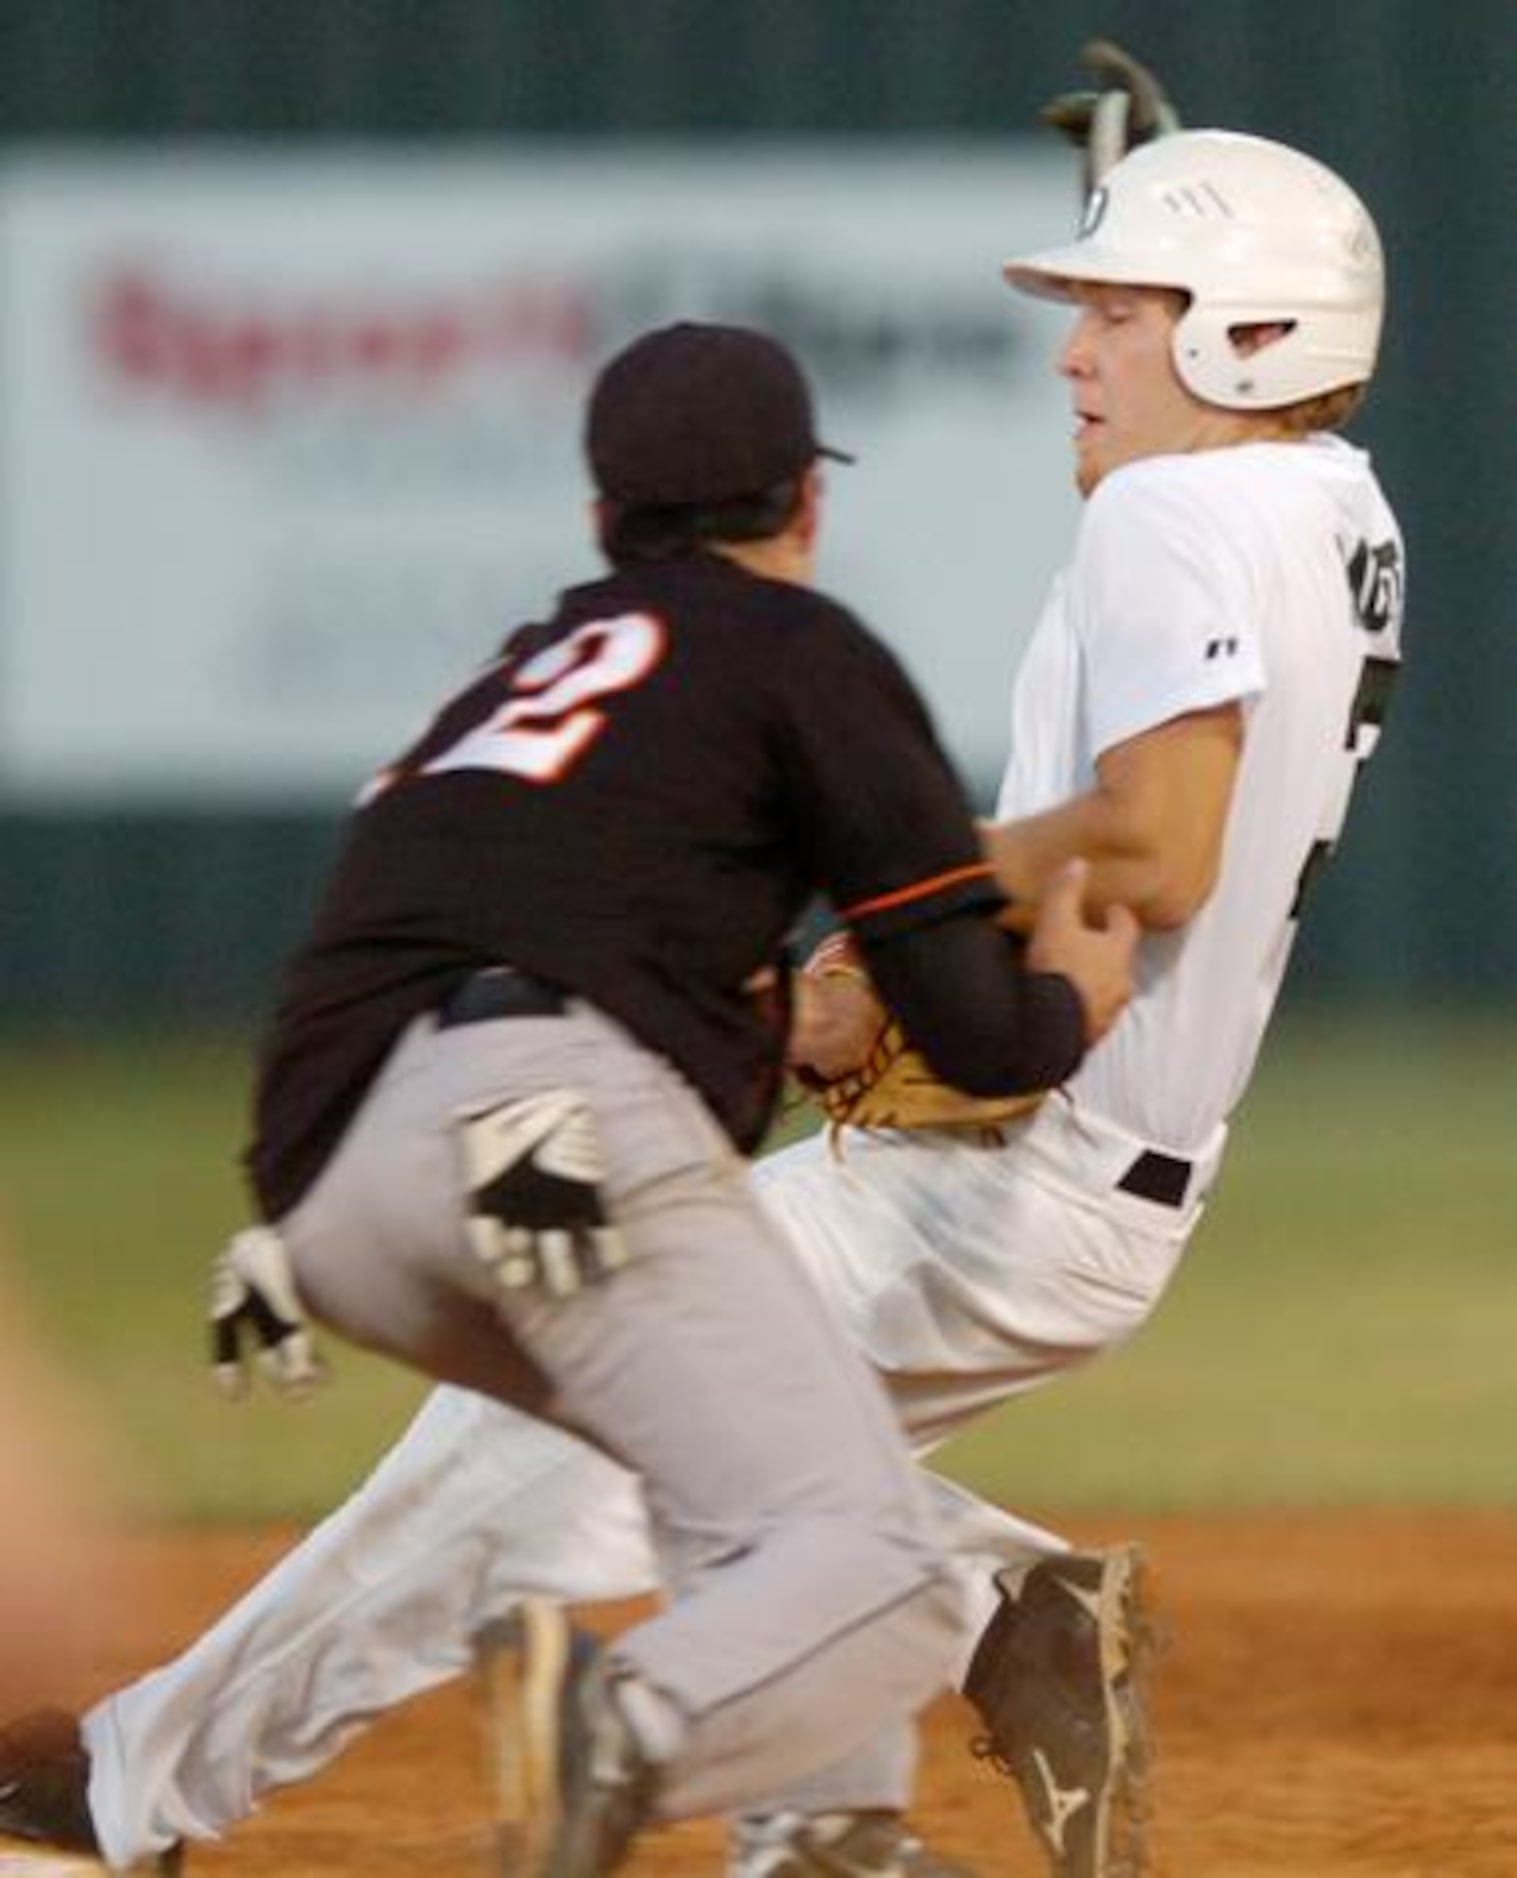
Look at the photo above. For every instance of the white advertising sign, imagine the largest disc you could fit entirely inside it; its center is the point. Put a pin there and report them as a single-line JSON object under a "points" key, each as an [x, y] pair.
{"points": [[287, 445]]}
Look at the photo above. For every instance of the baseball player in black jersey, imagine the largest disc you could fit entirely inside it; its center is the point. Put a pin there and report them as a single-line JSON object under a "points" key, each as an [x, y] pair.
{"points": [[501, 1114]]}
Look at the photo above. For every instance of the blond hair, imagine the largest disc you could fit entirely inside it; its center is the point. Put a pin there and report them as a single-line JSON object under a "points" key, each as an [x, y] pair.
{"points": [[1328, 410]]}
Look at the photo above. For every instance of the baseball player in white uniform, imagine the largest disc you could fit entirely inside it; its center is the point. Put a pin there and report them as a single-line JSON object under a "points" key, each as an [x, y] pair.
{"points": [[1191, 715]]}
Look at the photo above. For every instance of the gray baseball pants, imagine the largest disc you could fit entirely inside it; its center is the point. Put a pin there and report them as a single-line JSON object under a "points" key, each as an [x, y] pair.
{"points": [[810, 1604]]}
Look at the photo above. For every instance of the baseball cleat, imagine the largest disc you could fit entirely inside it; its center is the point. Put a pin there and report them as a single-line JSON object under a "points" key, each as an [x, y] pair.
{"points": [[570, 1785], [1057, 1680], [833, 1845], [44, 1799]]}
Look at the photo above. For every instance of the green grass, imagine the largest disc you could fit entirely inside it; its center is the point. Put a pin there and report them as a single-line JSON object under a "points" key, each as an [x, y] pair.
{"points": [[119, 1181], [1342, 1331]]}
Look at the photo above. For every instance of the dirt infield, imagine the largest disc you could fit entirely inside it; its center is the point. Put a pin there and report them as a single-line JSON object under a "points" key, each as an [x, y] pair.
{"points": [[1338, 1699]]}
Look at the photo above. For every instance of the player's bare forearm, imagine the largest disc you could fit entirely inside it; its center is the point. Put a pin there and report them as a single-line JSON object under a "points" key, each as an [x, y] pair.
{"points": [[1150, 830], [1028, 855]]}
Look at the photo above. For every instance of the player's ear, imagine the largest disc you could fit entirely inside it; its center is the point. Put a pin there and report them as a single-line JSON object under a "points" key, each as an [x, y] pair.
{"points": [[808, 514]]}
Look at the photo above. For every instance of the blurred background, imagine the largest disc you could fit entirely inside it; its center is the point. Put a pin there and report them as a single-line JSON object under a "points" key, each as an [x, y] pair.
{"points": [[298, 301]]}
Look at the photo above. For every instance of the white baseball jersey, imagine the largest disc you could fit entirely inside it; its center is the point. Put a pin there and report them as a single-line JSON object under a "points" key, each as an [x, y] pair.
{"points": [[1269, 574]]}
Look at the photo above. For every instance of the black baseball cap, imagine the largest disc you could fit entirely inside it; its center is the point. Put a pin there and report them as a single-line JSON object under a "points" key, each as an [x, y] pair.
{"points": [[695, 413]]}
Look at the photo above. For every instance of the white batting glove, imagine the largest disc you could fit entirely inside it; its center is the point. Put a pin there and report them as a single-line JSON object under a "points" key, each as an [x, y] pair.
{"points": [[256, 1314], [535, 1212]]}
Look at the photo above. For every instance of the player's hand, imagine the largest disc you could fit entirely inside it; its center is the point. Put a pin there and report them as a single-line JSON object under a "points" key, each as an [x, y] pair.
{"points": [[1095, 955], [835, 1015], [834, 1022], [257, 1321]]}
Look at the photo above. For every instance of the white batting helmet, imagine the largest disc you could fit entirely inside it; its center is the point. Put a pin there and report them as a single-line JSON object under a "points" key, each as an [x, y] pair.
{"points": [[1255, 233]]}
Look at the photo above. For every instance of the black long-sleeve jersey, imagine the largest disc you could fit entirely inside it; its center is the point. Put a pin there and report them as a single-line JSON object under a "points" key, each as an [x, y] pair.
{"points": [[635, 803]]}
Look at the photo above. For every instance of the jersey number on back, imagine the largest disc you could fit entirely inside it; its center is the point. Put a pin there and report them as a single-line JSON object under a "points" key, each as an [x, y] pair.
{"points": [[552, 714], [1375, 579]]}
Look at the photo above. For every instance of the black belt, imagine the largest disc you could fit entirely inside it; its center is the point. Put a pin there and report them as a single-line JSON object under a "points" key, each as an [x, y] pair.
{"points": [[1162, 1178], [499, 991]]}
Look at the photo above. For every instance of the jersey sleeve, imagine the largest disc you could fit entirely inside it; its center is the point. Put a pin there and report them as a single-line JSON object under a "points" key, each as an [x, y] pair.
{"points": [[1162, 609], [876, 805]]}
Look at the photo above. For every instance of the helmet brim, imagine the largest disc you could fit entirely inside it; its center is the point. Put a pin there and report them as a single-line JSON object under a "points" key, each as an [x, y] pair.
{"points": [[1056, 273]]}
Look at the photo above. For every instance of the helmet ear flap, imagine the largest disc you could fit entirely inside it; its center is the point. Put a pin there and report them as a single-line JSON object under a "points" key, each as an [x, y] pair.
{"points": [[1208, 362], [1317, 352]]}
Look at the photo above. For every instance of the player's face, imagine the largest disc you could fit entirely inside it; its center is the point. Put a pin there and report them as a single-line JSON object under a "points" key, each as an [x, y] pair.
{"points": [[1128, 399]]}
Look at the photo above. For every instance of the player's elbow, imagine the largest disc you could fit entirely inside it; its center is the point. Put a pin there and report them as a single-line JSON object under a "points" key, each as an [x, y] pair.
{"points": [[1164, 866], [1174, 903], [1176, 888], [984, 1024], [1016, 1044], [986, 1065]]}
